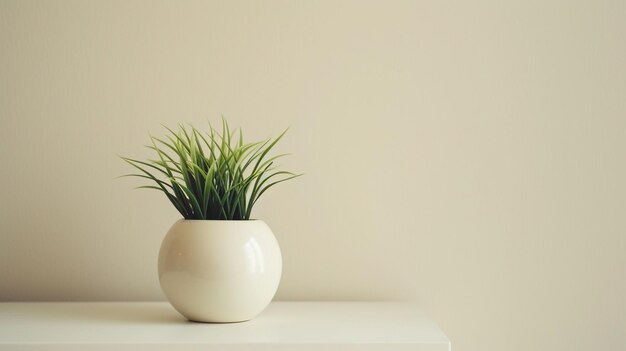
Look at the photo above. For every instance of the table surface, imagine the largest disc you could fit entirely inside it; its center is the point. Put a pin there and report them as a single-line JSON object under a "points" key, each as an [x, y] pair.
{"points": [[346, 326]]}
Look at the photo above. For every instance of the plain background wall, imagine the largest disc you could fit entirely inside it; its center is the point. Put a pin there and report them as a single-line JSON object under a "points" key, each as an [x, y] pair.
{"points": [[468, 156]]}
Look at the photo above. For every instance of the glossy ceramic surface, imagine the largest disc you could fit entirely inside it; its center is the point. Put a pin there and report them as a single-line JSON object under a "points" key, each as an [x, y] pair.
{"points": [[219, 271]]}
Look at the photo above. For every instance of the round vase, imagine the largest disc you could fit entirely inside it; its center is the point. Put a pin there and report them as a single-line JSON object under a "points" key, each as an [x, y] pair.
{"points": [[219, 271]]}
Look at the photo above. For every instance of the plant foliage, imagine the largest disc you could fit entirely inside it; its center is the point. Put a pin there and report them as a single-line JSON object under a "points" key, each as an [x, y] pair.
{"points": [[212, 175]]}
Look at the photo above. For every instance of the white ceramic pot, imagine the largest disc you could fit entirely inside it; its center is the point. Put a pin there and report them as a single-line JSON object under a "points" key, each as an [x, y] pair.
{"points": [[219, 271]]}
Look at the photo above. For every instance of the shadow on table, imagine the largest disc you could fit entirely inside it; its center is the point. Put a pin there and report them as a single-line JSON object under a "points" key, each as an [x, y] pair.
{"points": [[103, 312]]}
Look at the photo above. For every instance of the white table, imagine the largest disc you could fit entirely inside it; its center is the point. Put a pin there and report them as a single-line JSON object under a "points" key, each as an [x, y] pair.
{"points": [[156, 326]]}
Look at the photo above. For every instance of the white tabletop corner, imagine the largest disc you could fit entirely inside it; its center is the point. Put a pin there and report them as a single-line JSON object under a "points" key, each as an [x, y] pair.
{"points": [[156, 326]]}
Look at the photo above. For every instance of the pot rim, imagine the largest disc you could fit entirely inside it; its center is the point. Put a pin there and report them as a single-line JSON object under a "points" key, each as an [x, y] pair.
{"points": [[220, 220]]}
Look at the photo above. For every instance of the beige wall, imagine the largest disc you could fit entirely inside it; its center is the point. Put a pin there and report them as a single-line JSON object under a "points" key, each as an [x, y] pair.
{"points": [[466, 156]]}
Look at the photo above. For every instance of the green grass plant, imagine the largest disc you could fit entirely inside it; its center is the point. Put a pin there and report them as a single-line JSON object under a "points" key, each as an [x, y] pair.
{"points": [[211, 175]]}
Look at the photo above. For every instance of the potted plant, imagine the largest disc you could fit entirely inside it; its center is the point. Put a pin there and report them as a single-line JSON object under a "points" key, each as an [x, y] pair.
{"points": [[215, 264]]}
